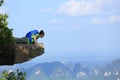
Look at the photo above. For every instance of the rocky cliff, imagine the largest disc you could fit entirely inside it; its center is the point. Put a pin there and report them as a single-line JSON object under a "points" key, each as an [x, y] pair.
{"points": [[19, 53], [25, 52]]}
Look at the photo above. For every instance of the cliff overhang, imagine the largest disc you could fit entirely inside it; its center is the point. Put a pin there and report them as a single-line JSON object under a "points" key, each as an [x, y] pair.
{"points": [[21, 53]]}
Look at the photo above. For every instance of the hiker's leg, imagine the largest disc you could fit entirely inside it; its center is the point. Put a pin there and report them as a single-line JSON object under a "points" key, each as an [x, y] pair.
{"points": [[28, 41]]}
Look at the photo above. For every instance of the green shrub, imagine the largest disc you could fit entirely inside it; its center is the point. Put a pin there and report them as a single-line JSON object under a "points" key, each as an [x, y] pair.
{"points": [[18, 75]]}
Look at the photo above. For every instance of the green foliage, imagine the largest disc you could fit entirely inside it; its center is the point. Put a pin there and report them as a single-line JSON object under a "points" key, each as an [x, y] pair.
{"points": [[18, 75], [6, 38], [1, 2], [5, 33]]}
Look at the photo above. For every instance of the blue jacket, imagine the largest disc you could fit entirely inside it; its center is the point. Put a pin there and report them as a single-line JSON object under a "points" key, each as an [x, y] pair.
{"points": [[29, 35]]}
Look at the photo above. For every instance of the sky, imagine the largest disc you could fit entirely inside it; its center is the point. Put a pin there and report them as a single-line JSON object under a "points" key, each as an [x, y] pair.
{"points": [[73, 28]]}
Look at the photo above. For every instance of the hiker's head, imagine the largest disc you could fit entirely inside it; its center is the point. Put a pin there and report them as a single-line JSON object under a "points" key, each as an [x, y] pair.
{"points": [[41, 33]]}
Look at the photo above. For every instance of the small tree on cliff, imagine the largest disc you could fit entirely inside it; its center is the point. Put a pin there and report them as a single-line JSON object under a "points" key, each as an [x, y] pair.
{"points": [[6, 37], [6, 40]]}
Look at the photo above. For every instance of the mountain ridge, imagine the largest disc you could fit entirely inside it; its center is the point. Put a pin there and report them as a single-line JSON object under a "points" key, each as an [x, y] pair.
{"points": [[59, 71]]}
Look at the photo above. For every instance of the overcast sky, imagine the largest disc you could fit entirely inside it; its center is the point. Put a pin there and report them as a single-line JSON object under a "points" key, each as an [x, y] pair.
{"points": [[73, 28]]}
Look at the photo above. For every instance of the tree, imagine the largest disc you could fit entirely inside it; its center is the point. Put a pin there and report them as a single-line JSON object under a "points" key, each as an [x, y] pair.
{"points": [[6, 40], [6, 37], [5, 33], [1, 1], [13, 75]]}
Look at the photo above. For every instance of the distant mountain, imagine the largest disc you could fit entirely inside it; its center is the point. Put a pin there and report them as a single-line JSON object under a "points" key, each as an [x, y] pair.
{"points": [[60, 71], [114, 66], [51, 68], [110, 71]]}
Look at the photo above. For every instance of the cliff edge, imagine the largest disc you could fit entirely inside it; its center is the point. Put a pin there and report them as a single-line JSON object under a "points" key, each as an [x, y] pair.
{"points": [[25, 52], [19, 53]]}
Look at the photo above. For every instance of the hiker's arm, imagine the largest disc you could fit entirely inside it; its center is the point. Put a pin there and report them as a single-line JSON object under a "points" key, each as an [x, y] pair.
{"points": [[35, 39]]}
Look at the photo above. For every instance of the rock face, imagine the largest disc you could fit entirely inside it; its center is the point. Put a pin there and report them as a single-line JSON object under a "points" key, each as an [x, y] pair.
{"points": [[20, 53], [25, 52]]}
